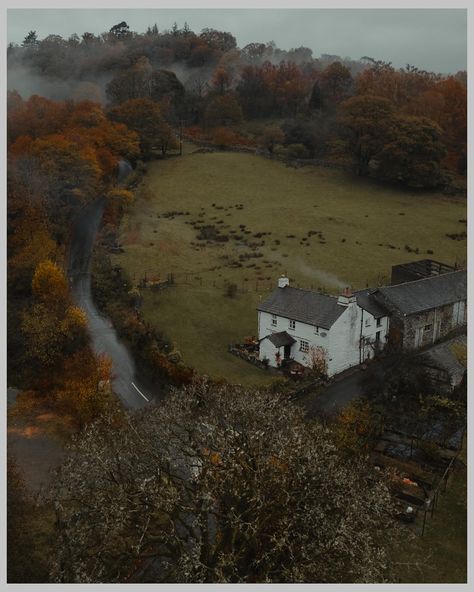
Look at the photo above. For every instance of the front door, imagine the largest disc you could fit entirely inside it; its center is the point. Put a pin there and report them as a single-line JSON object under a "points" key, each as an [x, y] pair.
{"points": [[287, 352], [418, 337]]}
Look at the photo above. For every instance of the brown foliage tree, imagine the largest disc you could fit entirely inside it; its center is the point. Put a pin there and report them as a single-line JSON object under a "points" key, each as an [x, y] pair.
{"points": [[223, 110], [144, 116], [368, 119]]}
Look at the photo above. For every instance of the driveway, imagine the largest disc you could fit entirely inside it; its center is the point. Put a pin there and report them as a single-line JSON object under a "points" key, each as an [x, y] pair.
{"points": [[350, 384]]}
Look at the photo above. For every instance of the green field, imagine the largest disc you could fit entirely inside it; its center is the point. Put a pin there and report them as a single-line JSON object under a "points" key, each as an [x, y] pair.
{"points": [[324, 228]]}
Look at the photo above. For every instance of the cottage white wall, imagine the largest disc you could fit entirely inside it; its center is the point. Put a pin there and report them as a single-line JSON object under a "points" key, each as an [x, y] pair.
{"points": [[302, 331], [345, 338], [268, 351], [341, 343]]}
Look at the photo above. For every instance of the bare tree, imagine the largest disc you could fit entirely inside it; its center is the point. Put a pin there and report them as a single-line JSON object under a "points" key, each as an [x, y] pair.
{"points": [[218, 484]]}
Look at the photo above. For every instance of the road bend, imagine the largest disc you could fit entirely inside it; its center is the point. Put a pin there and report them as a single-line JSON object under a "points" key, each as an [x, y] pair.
{"points": [[133, 391]]}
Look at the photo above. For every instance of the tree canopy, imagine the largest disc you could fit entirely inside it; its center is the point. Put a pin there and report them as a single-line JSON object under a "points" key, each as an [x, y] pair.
{"points": [[218, 484]]}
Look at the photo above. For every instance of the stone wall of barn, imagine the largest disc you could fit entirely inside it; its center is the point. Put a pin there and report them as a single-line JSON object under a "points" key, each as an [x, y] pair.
{"points": [[428, 327]]}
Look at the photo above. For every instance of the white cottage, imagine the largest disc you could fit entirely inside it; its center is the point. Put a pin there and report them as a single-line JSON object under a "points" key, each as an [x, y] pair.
{"points": [[315, 329]]}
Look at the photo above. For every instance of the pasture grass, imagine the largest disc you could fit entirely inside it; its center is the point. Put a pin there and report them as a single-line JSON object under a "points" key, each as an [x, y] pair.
{"points": [[323, 228]]}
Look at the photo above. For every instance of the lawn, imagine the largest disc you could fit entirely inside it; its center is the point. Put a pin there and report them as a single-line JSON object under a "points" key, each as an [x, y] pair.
{"points": [[324, 228]]}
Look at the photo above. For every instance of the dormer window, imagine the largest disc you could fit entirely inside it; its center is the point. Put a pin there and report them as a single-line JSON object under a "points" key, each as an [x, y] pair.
{"points": [[274, 320], [292, 324]]}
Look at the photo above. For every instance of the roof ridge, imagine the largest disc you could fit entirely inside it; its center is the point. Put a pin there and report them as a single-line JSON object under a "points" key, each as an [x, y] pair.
{"points": [[430, 277], [307, 291]]}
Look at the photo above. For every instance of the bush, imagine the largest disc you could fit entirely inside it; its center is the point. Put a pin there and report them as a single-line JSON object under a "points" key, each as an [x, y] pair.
{"points": [[223, 137], [297, 151]]}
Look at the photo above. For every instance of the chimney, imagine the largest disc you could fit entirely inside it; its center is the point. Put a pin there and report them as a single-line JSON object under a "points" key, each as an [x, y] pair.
{"points": [[283, 281], [347, 297]]}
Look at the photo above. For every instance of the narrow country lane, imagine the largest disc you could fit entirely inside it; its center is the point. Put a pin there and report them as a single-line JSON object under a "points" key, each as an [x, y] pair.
{"points": [[125, 383]]}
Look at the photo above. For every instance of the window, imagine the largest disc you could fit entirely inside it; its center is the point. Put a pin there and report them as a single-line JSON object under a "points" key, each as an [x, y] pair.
{"points": [[304, 345], [367, 322], [274, 320], [292, 324], [428, 327], [379, 322]]}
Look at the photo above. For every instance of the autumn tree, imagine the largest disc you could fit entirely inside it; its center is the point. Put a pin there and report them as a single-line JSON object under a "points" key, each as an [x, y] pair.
{"points": [[367, 120], [221, 81], [222, 110], [52, 326], [334, 84], [49, 284], [145, 117], [35, 117], [218, 484], [412, 153], [84, 392], [220, 40], [270, 137], [253, 53], [29, 243], [142, 81]]}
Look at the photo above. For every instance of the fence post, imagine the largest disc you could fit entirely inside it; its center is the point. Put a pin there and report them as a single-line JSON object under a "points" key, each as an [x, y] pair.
{"points": [[424, 521]]}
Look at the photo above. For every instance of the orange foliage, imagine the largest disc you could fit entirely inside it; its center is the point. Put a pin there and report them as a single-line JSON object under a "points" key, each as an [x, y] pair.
{"points": [[49, 284], [84, 390], [35, 117]]}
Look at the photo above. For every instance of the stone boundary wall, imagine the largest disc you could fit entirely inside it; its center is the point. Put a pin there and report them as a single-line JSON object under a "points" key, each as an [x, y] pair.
{"points": [[293, 162]]}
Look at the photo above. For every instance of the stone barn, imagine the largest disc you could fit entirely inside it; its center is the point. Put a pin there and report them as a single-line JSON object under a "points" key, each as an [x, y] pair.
{"points": [[424, 310]]}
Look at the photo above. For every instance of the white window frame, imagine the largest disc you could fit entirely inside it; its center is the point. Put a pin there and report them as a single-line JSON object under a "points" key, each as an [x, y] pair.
{"points": [[274, 320], [291, 324], [368, 322], [304, 346], [379, 322]]}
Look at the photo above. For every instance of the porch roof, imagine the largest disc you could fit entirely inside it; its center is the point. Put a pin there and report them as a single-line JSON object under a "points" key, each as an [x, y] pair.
{"points": [[280, 339]]}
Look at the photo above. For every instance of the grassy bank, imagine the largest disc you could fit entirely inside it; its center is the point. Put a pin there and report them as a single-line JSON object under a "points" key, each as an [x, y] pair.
{"points": [[322, 227]]}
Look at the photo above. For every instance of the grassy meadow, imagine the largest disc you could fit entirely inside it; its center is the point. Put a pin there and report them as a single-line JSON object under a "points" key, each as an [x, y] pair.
{"points": [[216, 218]]}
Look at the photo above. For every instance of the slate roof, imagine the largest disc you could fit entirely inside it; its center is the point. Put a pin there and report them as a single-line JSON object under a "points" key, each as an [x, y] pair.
{"points": [[367, 301], [428, 293], [303, 305], [443, 356], [280, 339]]}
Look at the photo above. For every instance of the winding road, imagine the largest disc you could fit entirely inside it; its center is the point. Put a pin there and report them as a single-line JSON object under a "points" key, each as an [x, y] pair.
{"points": [[126, 384]]}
